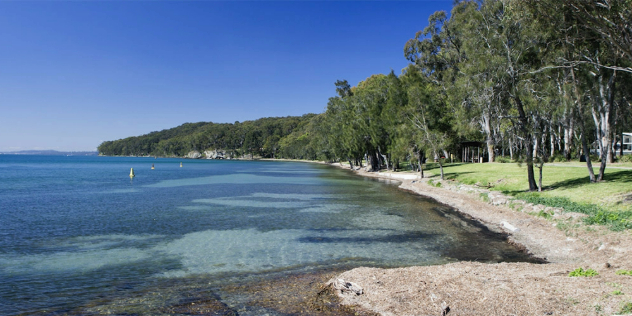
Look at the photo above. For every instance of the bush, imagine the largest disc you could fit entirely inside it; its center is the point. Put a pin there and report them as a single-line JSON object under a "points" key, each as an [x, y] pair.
{"points": [[580, 272], [558, 158], [625, 158], [616, 220], [503, 159]]}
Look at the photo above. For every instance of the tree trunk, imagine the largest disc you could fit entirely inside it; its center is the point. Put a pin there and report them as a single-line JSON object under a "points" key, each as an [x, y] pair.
{"points": [[536, 145], [441, 167], [540, 180], [552, 136], [606, 94], [372, 162], [591, 172], [524, 125], [580, 114], [489, 138], [350, 164], [610, 155], [568, 140], [421, 166], [383, 157]]}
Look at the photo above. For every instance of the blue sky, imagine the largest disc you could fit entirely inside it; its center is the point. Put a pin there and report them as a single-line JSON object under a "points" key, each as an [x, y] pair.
{"points": [[76, 73]]}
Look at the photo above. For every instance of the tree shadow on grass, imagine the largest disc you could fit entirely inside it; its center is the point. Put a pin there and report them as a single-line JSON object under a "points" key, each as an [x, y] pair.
{"points": [[453, 175], [622, 177]]}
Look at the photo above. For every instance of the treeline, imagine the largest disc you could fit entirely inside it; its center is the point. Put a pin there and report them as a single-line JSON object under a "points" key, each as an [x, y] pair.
{"points": [[535, 80], [531, 80], [258, 138]]}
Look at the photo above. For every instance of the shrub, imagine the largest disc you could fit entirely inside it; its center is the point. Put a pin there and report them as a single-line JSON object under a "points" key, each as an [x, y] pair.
{"points": [[625, 158], [616, 220], [558, 158], [580, 272], [503, 160]]}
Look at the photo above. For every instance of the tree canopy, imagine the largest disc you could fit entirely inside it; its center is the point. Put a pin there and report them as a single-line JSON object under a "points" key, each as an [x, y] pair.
{"points": [[534, 80]]}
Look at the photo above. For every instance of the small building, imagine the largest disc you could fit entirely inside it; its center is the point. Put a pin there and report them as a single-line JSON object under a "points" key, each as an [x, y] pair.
{"points": [[472, 151]]}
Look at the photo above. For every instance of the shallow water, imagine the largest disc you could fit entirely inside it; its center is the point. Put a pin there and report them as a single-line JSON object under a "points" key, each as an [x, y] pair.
{"points": [[78, 236]]}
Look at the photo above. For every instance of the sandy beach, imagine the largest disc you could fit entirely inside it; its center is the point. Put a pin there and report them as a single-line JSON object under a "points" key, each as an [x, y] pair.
{"points": [[471, 288]]}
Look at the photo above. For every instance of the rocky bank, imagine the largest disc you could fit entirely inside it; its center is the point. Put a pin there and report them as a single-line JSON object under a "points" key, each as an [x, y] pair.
{"points": [[472, 288]]}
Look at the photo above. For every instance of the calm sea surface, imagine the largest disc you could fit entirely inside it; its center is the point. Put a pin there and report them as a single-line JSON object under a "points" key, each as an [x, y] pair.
{"points": [[77, 235]]}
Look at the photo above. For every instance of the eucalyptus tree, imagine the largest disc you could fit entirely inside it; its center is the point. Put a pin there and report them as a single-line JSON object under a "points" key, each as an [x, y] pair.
{"points": [[368, 102], [494, 43], [343, 136], [608, 22], [426, 112], [435, 54], [596, 37], [478, 85], [515, 49]]}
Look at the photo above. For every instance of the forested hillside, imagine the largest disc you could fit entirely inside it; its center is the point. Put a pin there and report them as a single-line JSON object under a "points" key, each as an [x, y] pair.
{"points": [[257, 138], [530, 80]]}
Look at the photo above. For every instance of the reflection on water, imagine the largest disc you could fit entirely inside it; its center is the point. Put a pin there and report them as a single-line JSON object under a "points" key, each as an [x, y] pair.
{"points": [[212, 237]]}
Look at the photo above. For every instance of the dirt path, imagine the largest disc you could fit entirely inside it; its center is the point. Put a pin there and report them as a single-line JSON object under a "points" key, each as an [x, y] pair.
{"points": [[469, 288]]}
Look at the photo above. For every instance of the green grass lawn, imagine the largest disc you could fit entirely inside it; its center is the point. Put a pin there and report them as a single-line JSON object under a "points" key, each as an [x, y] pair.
{"points": [[564, 185]]}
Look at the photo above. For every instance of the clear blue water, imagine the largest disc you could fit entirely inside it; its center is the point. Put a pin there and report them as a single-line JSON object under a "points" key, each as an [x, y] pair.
{"points": [[77, 232]]}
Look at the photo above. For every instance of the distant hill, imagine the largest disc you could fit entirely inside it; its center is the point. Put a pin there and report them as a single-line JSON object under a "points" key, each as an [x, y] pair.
{"points": [[264, 137], [51, 153]]}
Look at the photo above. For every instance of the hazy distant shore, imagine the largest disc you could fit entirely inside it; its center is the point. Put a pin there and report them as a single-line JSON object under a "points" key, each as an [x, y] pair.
{"points": [[51, 153]]}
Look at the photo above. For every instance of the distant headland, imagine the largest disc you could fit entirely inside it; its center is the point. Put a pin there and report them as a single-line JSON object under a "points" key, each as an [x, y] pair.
{"points": [[51, 153]]}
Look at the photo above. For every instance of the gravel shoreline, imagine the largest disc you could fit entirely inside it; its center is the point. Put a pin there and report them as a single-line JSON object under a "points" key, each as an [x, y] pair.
{"points": [[471, 288]]}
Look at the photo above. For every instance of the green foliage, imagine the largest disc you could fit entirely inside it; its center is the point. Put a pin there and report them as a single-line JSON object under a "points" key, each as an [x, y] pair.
{"points": [[597, 215], [624, 272], [617, 292], [625, 158], [484, 197], [503, 159], [616, 220], [562, 202], [261, 137], [580, 272], [626, 308], [546, 215], [557, 158]]}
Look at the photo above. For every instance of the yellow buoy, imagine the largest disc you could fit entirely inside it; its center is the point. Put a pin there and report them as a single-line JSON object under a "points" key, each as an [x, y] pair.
{"points": [[181, 165], [131, 173], [152, 166]]}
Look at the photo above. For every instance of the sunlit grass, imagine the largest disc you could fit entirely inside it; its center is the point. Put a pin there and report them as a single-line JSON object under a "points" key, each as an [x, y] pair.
{"points": [[569, 180], [564, 185]]}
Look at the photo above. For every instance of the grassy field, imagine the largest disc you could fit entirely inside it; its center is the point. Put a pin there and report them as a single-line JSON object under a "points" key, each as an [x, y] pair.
{"points": [[564, 185]]}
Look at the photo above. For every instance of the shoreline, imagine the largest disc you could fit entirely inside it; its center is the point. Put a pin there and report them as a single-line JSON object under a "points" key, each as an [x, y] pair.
{"points": [[471, 288]]}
